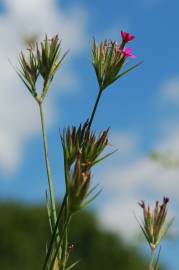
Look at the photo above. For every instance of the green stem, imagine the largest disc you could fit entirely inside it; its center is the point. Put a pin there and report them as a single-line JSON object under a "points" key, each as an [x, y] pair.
{"points": [[151, 263], [50, 184], [61, 239], [94, 108], [64, 256], [54, 233], [64, 250]]}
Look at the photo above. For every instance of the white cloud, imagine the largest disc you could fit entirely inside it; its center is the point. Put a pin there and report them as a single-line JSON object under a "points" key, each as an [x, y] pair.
{"points": [[125, 142], [170, 91], [125, 185], [44, 16], [119, 216], [18, 118]]}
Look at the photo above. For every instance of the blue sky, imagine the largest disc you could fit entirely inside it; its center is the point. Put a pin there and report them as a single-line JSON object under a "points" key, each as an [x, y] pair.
{"points": [[141, 109]]}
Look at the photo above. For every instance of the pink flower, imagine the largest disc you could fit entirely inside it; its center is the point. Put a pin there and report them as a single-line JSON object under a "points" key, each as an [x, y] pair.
{"points": [[126, 53], [126, 37]]}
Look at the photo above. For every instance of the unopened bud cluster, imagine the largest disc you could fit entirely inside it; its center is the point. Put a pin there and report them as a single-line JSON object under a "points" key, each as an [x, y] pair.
{"points": [[154, 222], [41, 60], [81, 152]]}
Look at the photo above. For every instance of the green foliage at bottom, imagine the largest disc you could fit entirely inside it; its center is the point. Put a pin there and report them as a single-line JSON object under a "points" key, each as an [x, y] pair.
{"points": [[23, 234]]}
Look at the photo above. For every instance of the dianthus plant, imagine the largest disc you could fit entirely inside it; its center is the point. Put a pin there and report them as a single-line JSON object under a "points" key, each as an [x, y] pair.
{"points": [[82, 147]]}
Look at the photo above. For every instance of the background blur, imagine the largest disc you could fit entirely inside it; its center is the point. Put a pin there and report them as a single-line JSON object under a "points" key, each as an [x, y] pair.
{"points": [[142, 110]]}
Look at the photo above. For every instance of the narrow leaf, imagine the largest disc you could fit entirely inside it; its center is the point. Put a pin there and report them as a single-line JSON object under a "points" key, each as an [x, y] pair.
{"points": [[73, 265], [90, 200], [48, 211], [104, 157]]}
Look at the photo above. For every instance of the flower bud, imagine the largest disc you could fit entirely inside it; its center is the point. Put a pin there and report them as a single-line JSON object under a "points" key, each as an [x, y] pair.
{"points": [[43, 60], [81, 152], [29, 71], [154, 225], [82, 142]]}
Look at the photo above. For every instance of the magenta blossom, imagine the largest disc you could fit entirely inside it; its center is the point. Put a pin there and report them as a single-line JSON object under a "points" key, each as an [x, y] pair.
{"points": [[128, 53], [126, 37]]}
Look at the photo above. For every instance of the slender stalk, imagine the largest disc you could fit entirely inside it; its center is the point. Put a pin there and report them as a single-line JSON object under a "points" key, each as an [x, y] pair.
{"points": [[50, 183], [94, 108], [64, 250], [54, 232], [61, 239], [65, 241], [151, 263]]}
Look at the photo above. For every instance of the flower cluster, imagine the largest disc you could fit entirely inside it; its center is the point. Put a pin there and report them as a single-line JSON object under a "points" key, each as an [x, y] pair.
{"points": [[109, 57], [41, 60], [154, 225], [81, 152]]}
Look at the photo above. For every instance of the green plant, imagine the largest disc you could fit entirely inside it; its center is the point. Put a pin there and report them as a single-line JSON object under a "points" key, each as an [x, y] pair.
{"points": [[155, 227], [82, 148]]}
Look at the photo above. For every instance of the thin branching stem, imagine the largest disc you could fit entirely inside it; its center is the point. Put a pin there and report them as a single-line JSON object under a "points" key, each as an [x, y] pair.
{"points": [[50, 183], [54, 232], [94, 108], [65, 241], [62, 235]]}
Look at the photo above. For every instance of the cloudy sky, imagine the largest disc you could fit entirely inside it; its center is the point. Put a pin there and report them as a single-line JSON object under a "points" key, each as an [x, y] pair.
{"points": [[142, 109]]}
